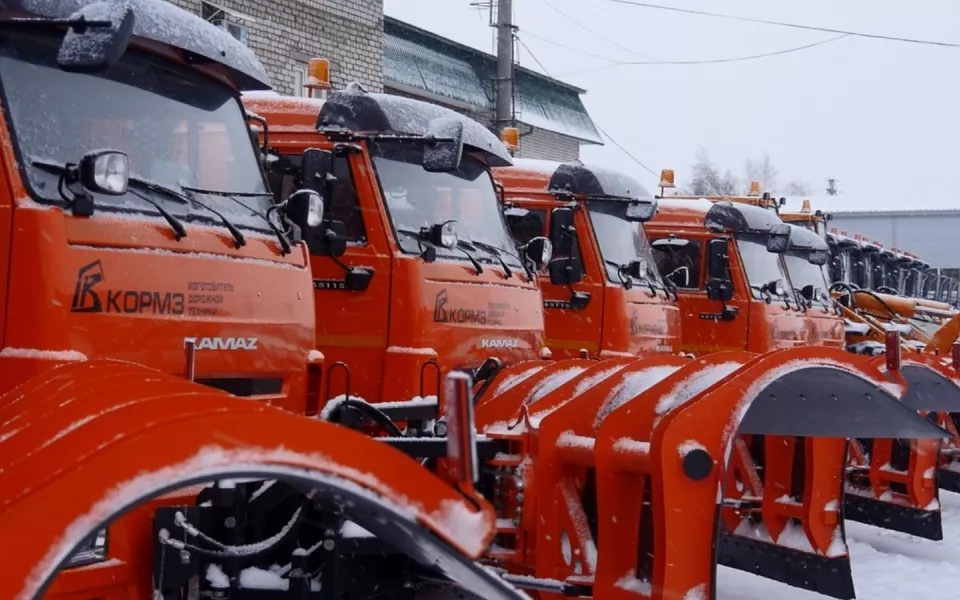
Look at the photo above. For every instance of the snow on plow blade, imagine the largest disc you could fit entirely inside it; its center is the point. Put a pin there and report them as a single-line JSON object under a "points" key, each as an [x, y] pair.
{"points": [[893, 479], [634, 478], [83, 450]]}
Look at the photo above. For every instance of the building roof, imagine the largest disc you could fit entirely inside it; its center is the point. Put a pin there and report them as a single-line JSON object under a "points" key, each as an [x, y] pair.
{"points": [[422, 63], [852, 205]]}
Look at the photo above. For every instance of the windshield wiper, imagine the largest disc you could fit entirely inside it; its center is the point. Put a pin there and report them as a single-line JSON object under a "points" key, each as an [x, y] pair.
{"points": [[627, 279], [173, 194], [496, 253], [281, 237], [179, 231], [462, 247]]}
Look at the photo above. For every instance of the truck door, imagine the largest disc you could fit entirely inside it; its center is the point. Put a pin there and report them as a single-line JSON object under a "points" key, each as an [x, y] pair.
{"points": [[691, 263], [352, 291]]}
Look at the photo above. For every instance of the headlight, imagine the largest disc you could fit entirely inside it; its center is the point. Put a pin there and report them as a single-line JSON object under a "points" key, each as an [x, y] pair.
{"points": [[92, 550], [547, 252]]}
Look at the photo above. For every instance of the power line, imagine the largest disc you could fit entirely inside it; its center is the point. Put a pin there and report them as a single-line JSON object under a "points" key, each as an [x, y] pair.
{"points": [[600, 129], [709, 61], [571, 48], [622, 149], [533, 56], [703, 13], [599, 35]]}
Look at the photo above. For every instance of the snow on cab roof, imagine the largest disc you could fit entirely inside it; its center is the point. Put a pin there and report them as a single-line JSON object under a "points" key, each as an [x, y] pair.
{"points": [[357, 110], [163, 22]]}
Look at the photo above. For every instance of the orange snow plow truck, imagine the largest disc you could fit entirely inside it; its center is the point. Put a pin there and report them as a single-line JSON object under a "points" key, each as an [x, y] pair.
{"points": [[158, 326], [117, 397]]}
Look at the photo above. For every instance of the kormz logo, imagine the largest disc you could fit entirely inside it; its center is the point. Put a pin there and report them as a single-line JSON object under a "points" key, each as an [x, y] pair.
{"points": [[84, 298], [442, 314]]}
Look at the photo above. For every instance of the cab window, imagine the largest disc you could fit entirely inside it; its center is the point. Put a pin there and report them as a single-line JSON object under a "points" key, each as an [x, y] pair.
{"points": [[679, 259], [526, 224], [343, 204]]}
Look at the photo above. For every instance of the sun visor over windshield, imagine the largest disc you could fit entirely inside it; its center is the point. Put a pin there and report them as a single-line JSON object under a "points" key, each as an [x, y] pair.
{"points": [[588, 180], [354, 109], [802, 238], [163, 22], [740, 217]]}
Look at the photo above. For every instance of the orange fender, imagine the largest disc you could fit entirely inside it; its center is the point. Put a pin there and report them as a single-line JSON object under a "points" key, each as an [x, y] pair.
{"points": [[139, 442]]}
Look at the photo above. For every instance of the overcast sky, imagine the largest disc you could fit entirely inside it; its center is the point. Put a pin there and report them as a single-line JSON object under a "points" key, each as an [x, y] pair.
{"points": [[879, 116]]}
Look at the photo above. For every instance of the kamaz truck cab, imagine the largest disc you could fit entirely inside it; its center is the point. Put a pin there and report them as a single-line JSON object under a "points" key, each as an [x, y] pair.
{"points": [[725, 260], [805, 259], [604, 295], [414, 270]]}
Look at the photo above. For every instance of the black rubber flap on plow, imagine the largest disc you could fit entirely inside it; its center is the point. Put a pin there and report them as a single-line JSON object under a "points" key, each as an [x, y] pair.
{"points": [[929, 390], [926, 524], [821, 574], [827, 402], [949, 480]]}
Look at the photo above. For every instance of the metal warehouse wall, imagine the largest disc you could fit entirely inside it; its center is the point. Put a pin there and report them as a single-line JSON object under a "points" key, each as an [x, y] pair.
{"points": [[933, 235]]}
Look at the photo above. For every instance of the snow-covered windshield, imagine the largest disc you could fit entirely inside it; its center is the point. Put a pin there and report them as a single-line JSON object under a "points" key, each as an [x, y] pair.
{"points": [[177, 127], [761, 266], [416, 199], [621, 241], [803, 273]]}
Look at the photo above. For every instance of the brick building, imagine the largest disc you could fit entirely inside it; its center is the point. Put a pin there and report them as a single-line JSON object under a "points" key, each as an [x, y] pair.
{"points": [[285, 34], [385, 54]]}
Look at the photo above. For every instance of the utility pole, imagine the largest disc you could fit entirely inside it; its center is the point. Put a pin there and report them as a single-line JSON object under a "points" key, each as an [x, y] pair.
{"points": [[504, 81]]}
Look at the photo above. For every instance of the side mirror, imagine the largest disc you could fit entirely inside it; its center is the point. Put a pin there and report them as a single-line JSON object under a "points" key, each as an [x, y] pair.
{"points": [[641, 211], [539, 250], [638, 269], [444, 148], [305, 209], [718, 262], [315, 165], [335, 238], [98, 36], [568, 268], [778, 240], [818, 257], [720, 289]]}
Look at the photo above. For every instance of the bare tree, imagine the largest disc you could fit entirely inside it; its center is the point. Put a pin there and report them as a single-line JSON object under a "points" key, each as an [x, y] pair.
{"points": [[796, 188], [763, 170], [706, 179]]}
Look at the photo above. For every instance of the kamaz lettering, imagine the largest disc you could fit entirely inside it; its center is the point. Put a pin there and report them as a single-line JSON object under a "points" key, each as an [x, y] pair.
{"points": [[218, 343], [487, 343]]}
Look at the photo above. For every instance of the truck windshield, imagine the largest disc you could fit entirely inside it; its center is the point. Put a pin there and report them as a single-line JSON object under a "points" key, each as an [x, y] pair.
{"points": [[803, 273], [762, 267], [177, 126], [621, 241], [417, 198]]}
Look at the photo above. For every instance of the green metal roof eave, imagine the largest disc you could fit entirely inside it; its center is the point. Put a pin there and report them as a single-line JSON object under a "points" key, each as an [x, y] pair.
{"points": [[400, 27]]}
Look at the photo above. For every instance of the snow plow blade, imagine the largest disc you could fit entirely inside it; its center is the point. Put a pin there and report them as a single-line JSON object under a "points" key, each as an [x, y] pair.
{"points": [[137, 443], [610, 462], [894, 480]]}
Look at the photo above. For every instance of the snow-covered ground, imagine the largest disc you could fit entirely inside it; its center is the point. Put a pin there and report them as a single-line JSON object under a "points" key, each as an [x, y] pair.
{"points": [[886, 566]]}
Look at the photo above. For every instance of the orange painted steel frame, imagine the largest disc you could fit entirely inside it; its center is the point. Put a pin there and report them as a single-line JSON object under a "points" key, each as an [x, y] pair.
{"points": [[386, 334], [617, 321], [56, 263], [608, 465], [758, 327]]}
